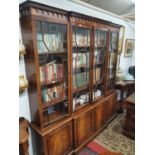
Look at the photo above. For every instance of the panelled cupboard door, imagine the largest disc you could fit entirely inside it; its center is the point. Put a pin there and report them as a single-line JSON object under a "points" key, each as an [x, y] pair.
{"points": [[101, 115], [84, 127], [112, 104], [60, 141]]}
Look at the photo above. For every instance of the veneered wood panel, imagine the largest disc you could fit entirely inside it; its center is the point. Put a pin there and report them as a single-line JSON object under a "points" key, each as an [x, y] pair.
{"points": [[112, 103], [84, 127], [60, 141], [101, 114]]}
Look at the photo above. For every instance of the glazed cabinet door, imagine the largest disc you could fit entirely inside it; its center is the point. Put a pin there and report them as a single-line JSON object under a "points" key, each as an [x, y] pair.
{"points": [[81, 54], [112, 104], [83, 127], [99, 59], [101, 115], [59, 142], [112, 60], [52, 54]]}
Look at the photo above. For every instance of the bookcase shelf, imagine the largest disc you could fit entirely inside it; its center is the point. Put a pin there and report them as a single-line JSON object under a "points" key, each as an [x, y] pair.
{"points": [[97, 82], [55, 81], [79, 106], [56, 53], [99, 63], [53, 102], [81, 49], [75, 90], [54, 117]]}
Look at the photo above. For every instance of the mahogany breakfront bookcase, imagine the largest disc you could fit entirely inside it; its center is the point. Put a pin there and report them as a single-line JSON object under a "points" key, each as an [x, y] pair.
{"points": [[70, 64]]}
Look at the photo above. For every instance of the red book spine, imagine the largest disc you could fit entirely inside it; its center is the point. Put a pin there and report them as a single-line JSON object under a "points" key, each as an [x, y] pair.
{"points": [[47, 73], [43, 74], [52, 71], [61, 71]]}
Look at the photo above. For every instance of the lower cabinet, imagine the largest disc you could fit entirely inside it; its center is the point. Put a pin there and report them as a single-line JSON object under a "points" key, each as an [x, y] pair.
{"points": [[101, 115], [76, 131], [59, 142], [83, 127]]}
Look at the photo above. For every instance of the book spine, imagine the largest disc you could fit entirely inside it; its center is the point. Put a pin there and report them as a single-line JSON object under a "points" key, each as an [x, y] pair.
{"points": [[55, 71], [61, 70], [41, 76], [44, 97], [52, 72], [58, 70], [46, 70]]}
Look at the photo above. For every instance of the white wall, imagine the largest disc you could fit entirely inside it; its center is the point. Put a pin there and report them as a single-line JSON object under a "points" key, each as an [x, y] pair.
{"points": [[24, 110], [70, 6]]}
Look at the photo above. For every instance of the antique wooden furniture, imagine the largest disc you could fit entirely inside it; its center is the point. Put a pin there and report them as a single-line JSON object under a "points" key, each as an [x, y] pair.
{"points": [[129, 125], [23, 136], [125, 86], [70, 65]]}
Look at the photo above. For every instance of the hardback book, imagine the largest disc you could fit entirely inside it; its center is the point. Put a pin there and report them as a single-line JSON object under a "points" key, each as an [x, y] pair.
{"points": [[98, 57], [42, 74], [59, 71], [56, 92], [80, 59], [39, 41], [48, 40], [97, 74]]}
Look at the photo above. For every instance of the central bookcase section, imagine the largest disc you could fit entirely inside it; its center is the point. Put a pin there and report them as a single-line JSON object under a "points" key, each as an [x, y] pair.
{"points": [[53, 70], [81, 66]]}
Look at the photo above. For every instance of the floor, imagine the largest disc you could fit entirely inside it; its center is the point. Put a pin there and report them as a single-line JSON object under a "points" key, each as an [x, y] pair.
{"points": [[113, 140]]}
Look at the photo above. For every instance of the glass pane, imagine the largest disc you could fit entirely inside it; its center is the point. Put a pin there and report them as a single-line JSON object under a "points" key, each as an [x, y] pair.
{"points": [[99, 62], [112, 59], [81, 66], [51, 37], [52, 49], [55, 112]]}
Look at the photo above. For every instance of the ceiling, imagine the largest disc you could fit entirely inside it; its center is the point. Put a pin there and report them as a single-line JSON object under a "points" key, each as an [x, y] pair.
{"points": [[124, 8]]}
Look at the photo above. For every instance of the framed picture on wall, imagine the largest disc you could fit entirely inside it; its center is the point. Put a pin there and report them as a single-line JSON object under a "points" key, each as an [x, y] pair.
{"points": [[129, 47], [121, 40]]}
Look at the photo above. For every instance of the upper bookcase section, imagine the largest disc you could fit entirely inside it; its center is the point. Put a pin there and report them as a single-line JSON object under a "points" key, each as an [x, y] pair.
{"points": [[35, 9]]}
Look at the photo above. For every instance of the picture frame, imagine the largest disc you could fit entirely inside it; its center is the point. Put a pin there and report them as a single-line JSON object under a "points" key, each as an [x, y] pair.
{"points": [[129, 47], [121, 40]]}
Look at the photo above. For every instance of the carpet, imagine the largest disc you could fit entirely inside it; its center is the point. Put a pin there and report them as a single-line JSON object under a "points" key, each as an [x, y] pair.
{"points": [[94, 148], [112, 138]]}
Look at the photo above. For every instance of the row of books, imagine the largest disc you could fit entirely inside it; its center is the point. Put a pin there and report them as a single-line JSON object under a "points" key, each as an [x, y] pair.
{"points": [[56, 92], [112, 59], [80, 59], [82, 79], [97, 74], [99, 42], [51, 71], [98, 57], [52, 41], [81, 40]]}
